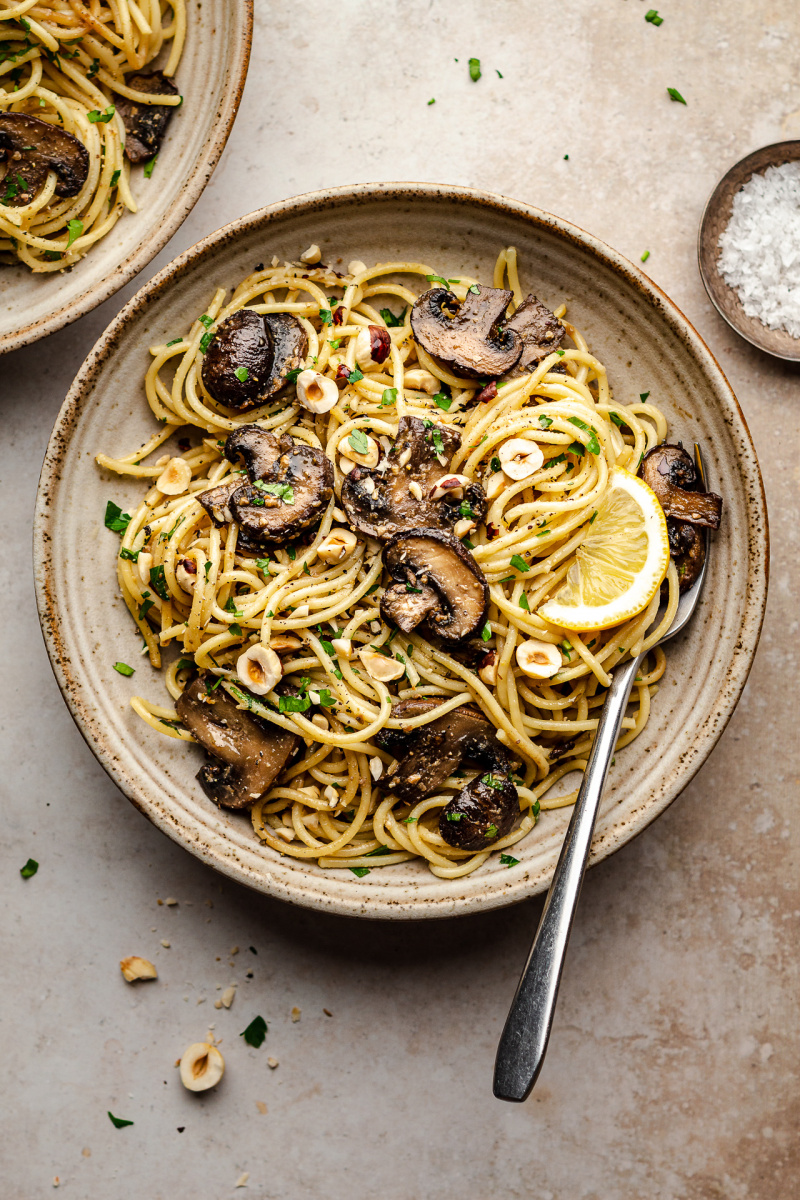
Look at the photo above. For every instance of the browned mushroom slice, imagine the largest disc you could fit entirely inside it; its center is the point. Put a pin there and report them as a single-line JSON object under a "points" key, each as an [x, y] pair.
{"points": [[146, 124], [381, 504], [670, 472], [541, 333], [482, 812], [258, 449], [432, 560], [216, 501], [246, 754], [250, 356], [238, 362], [467, 338], [428, 754], [29, 148], [290, 496]]}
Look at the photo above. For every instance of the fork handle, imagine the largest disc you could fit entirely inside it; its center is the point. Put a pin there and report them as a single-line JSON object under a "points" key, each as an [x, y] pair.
{"points": [[523, 1044]]}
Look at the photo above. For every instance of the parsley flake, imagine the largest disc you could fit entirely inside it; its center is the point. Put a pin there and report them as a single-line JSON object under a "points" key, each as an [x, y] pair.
{"points": [[358, 441], [75, 229], [360, 871], [474, 69], [30, 868], [115, 519], [674, 94], [118, 1122], [442, 401], [242, 374], [508, 860], [389, 397], [518, 563], [255, 1033], [486, 632], [392, 321], [149, 166], [123, 668], [101, 118]]}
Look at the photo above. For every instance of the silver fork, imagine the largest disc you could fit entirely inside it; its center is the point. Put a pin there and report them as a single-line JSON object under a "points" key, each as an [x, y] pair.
{"points": [[523, 1044]]}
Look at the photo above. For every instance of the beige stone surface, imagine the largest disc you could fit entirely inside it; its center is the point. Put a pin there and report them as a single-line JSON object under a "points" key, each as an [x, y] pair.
{"points": [[673, 1067]]}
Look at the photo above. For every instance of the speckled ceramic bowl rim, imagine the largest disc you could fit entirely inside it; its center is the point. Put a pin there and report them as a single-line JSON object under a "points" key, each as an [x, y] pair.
{"points": [[176, 214], [294, 886]]}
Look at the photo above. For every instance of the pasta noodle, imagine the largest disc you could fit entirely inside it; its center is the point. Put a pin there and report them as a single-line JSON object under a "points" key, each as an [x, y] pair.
{"points": [[330, 805], [66, 62]]}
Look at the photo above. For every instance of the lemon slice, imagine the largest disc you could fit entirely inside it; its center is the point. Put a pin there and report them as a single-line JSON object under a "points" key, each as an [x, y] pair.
{"points": [[620, 564]]}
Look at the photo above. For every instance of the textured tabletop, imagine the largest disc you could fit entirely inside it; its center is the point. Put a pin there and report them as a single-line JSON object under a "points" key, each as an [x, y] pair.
{"points": [[672, 1070]]}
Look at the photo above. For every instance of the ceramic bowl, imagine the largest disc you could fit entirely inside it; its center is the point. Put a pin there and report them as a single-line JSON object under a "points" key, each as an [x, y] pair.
{"points": [[647, 345], [211, 77], [716, 216]]}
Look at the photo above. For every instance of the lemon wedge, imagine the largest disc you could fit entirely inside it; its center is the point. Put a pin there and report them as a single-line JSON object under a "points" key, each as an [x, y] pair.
{"points": [[621, 562]]}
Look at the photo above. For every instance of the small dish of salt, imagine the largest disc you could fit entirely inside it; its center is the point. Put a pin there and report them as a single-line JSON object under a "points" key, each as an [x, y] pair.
{"points": [[749, 248]]}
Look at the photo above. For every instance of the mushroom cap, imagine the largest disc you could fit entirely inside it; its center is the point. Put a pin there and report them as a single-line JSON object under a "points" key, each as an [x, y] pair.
{"points": [[288, 497], [482, 812], [466, 338], [146, 124], [41, 147], [540, 330], [429, 753], [432, 560], [263, 349], [245, 754], [241, 343], [671, 474], [422, 453]]}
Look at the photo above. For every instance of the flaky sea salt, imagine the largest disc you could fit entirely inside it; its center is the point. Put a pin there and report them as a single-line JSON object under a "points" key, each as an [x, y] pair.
{"points": [[760, 247]]}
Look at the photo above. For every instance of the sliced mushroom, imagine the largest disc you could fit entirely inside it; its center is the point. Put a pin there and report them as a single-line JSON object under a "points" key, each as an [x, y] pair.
{"points": [[146, 124], [670, 472], [30, 147], [482, 812], [289, 486], [467, 338], [425, 561], [250, 356], [245, 754], [382, 503], [429, 753], [540, 330]]}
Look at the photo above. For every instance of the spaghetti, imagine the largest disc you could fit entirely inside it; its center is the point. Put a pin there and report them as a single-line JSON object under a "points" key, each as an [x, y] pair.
{"points": [[65, 62], [331, 804]]}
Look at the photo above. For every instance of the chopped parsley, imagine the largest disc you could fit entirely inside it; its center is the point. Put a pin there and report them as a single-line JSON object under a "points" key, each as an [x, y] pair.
{"points": [[129, 555], [101, 118], [523, 602], [645, 256], [454, 816], [326, 699], [389, 397], [93, 69], [518, 563], [474, 69], [536, 807], [592, 517], [473, 287], [430, 102], [255, 1033], [491, 832], [358, 441], [360, 871], [242, 374], [158, 582], [206, 320], [150, 166], [652, 16], [442, 401], [123, 668], [326, 316], [545, 422], [205, 341], [508, 860], [185, 664], [355, 374], [674, 94], [643, 396], [75, 229], [293, 704], [495, 464], [115, 519], [282, 490], [617, 420], [174, 342], [566, 647], [145, 606], [292, 376], [118, 1122], [593, 446], [392, 321], [492, 782], [235, 629], [30, 868], [486, 632]]}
